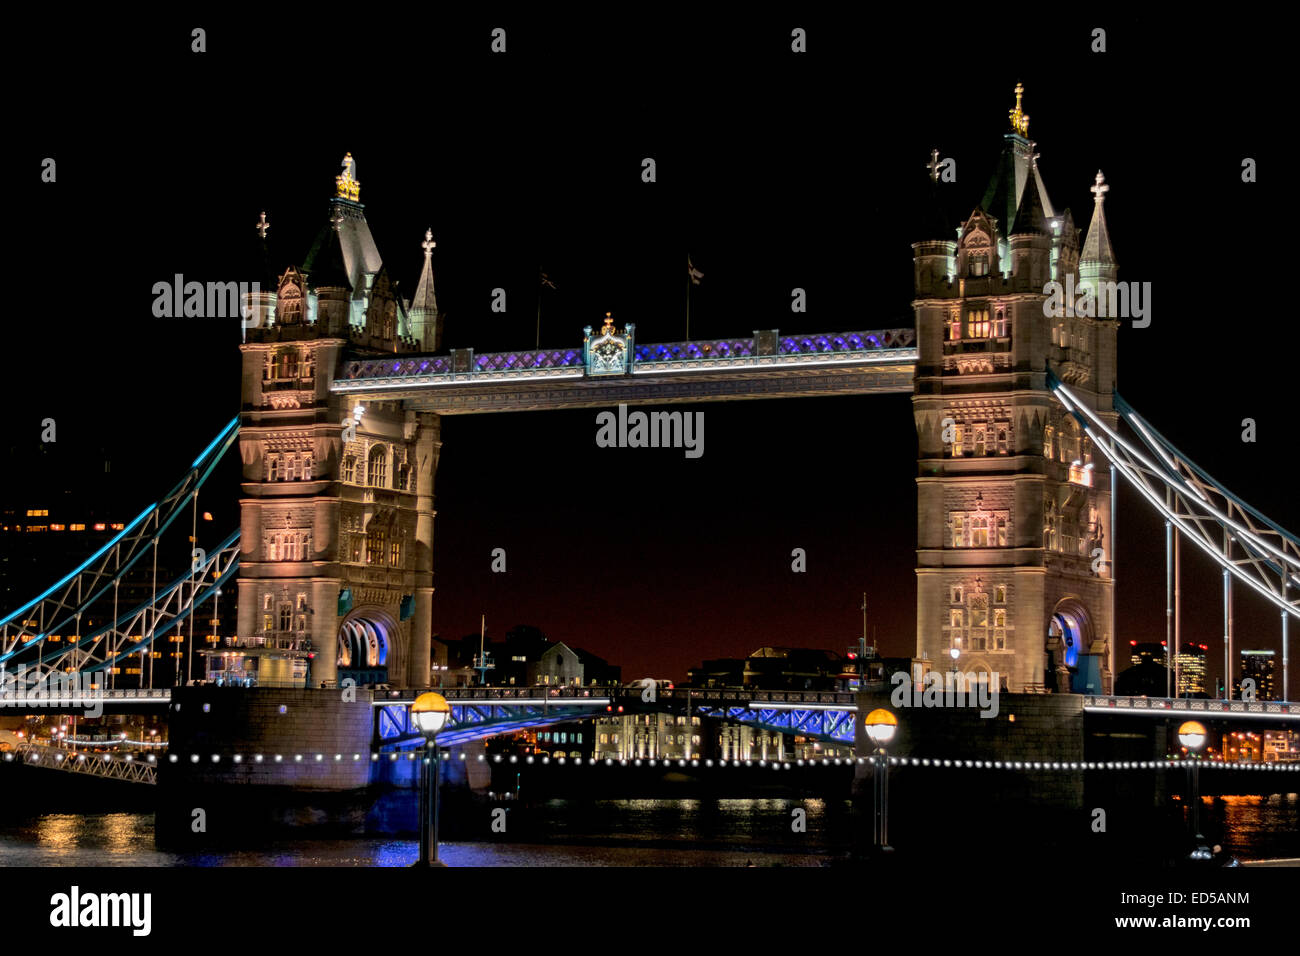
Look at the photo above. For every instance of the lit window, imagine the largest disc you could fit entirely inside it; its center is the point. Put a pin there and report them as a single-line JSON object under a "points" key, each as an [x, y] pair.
{"points": [[1000, 594], [955, 618], [980, 431], [977, 323], [958, 533], [1002, 532], [979, 526], [395, 555], [958, 438], [954, 328], [377, 467], [1000, 322], [375, 542]]}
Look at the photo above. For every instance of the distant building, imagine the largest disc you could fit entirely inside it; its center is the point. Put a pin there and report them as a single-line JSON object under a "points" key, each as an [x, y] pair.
{"points": [[525, 658], [775, 668], [1189, 664], [1259, 666], [1147, 651]]}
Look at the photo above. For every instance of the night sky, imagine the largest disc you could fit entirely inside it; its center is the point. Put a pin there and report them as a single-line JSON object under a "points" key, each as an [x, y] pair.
{"points": [[774, 171]]}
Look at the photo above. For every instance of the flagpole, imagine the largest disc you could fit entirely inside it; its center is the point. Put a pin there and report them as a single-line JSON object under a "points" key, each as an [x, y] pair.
{"points": [[688, 297], [539, 316]]}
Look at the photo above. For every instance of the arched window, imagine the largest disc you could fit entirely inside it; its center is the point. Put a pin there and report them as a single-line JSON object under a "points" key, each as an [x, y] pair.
{"points": [[1002, 532], [979, 525], [377, 467], [286, 617]]}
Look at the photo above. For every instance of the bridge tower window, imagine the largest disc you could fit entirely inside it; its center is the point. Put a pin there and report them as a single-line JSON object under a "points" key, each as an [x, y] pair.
{"points": [[377, 467]]}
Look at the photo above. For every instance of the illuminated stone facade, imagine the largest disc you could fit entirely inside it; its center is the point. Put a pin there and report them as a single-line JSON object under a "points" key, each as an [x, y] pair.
{"points": [[337, 500], [1014, 509]]}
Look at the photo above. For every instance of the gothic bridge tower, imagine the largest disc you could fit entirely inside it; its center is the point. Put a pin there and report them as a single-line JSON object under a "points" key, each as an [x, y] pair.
{"points": [[336, 553], [1014, 521]]}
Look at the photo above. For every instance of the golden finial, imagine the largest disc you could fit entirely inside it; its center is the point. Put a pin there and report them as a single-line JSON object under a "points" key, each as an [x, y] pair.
{"points": [[349, 187], [1019, 119]]}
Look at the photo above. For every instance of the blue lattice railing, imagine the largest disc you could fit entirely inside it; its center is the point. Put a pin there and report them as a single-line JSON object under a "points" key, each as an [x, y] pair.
{"points": [[728, 352]]}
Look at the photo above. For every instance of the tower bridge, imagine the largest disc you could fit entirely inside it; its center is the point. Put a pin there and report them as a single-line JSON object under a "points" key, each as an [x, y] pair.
{"points": [[344, 385]]}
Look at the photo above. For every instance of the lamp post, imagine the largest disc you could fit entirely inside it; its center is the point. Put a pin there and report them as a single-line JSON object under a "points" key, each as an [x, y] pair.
{"points": [[1191, 734], [881, 726], [430, 713]]}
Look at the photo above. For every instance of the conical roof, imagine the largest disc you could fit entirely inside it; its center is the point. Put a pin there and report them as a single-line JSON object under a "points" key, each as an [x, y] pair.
{"points": [[1031, 218], [325, 264], [1097, 247]]}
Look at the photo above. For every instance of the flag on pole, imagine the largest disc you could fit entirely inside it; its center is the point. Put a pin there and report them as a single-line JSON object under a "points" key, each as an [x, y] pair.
{"points": [[695, 274], [546, 281]]}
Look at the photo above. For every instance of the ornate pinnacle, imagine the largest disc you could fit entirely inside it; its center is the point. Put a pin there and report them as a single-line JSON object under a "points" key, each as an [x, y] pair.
{"points": [[349, 187], [1099, 188], [1019, 119]]}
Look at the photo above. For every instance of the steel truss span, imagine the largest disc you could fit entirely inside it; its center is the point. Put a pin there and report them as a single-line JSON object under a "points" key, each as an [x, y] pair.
{"points": [[25, 645], [1256, 551]]}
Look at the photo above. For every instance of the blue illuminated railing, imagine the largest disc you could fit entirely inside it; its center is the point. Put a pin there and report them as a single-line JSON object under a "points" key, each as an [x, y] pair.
{"points": [[465, 366]]}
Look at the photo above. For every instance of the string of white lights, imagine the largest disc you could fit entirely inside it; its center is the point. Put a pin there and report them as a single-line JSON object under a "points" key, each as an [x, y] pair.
{"points": [[934, 762]]}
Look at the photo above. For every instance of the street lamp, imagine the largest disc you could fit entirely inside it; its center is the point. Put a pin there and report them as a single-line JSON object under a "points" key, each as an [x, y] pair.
{"points": [[430, 714], [881, 726], [1191, 734]]}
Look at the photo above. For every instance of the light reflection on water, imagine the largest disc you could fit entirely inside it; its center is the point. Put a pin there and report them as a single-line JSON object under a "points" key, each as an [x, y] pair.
{"points": [[647, 832]]}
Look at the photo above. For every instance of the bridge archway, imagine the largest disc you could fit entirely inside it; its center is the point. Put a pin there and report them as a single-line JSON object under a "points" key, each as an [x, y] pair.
{"points": [[1072, 624], [367, 638]]}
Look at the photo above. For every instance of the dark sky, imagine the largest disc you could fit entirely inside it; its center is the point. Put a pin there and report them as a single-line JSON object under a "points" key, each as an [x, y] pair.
{"points": [[774, 171]]}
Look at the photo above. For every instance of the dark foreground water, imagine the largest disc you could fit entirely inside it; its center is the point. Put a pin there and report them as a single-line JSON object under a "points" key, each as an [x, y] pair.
{"points": [[625, 832]]}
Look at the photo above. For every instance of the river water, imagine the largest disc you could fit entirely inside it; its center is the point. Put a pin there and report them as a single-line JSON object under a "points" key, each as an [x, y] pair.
{"points": [[563, 832]]}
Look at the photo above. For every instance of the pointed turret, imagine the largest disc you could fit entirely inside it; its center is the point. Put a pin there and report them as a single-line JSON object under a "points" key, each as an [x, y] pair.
{"points": [[1097, 261], [425, 326], [328, 276], [1030, 242], [933, 256], [259, 306]]}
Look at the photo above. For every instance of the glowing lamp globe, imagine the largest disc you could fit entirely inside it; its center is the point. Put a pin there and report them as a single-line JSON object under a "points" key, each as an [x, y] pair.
{"points": [[430, 713], [881, 726], [1192, 735]]}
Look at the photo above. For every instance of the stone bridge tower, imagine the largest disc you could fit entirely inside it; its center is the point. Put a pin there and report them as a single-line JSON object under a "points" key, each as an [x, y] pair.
{"points": [[336, 554], [1014, 519]]}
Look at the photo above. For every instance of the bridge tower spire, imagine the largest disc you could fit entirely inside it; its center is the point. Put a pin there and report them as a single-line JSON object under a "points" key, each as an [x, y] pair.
{"points": [[1014, 532]]}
